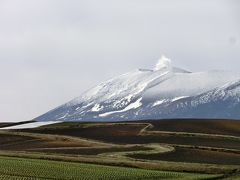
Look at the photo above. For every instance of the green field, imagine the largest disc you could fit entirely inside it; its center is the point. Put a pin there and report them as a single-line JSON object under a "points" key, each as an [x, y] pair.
{"points": [[20, 168]]}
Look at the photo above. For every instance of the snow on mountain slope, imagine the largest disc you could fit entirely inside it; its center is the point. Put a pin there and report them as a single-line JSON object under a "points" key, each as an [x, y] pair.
{"points": [[190, 84], [165, 92]]}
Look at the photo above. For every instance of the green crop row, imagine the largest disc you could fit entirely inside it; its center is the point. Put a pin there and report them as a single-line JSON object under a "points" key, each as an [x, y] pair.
{"points": [[25, 169]]}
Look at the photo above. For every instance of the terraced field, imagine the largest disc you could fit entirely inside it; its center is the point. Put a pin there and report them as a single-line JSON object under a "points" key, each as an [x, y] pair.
{"points": [[166, 145]]}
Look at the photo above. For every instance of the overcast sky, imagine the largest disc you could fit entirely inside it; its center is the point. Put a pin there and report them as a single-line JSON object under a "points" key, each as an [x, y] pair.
{"points": [[53, 50]]}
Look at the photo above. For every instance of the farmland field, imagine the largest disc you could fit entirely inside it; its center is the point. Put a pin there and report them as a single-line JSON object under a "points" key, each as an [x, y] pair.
{"points": [[18, 168], [135, 149]]}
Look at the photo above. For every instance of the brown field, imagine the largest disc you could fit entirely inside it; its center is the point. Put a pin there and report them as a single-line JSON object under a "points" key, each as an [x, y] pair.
{"points": [[224, 127], [128, 133], [9, 139], [193, 155], [209, 146]]}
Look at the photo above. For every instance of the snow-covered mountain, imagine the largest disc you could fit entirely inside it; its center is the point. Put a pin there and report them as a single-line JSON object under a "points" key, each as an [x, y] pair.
{"points": [[165, 92]]}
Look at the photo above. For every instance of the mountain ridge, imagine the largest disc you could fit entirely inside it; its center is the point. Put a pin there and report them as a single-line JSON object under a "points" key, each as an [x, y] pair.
{"points": [[164, 92]]}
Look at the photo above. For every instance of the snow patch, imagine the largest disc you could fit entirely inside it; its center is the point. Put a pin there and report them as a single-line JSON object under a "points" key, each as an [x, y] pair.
{"points": [[65, 115], [157, 103], [178, 98], [134, 105], [97, 108], [77, 108]]}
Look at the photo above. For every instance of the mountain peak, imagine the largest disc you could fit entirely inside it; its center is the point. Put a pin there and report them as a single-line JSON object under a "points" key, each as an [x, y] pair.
{"points": [[163, 63], [164, 92]]}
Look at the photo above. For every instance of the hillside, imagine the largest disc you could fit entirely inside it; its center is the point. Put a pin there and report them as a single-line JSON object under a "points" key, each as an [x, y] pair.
{"points": [[184, 145]]}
